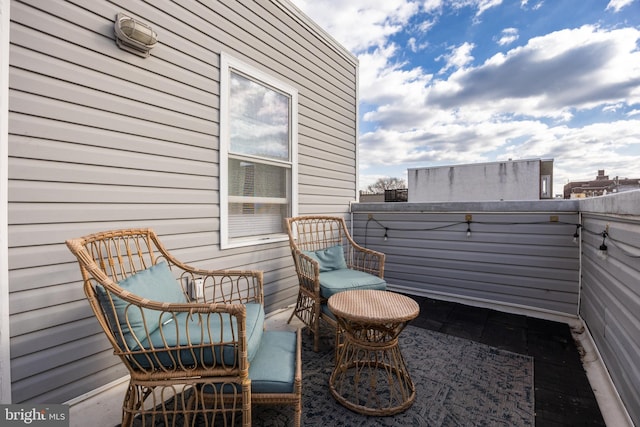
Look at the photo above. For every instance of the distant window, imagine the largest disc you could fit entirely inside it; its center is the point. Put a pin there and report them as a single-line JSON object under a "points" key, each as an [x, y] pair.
{"points": [[545, 187], [258, 152], [396, 195]]}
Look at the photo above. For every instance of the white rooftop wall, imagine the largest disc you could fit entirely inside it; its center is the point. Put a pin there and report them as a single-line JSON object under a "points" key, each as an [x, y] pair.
{"points": [[510, 180]]}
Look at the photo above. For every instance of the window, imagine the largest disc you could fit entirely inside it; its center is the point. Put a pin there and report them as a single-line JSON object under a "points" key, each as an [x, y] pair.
{"points": [[258, 155], [545, 187]]}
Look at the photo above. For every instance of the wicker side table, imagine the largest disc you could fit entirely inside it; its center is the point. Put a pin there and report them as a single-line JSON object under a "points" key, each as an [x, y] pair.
{"points": [[370, 376]]}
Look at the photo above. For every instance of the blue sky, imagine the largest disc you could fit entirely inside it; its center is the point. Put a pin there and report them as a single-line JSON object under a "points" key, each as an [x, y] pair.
{"points": [[445, 82]]}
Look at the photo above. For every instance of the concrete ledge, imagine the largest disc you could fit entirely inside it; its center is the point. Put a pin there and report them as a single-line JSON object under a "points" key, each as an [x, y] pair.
{"points": [[552, 205], [626, 203]]}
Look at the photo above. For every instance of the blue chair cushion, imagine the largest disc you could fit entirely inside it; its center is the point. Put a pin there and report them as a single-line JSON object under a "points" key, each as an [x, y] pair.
{"points": [[155, 283], [336, 281], [184, 329], [273, 368], [331, 258]]}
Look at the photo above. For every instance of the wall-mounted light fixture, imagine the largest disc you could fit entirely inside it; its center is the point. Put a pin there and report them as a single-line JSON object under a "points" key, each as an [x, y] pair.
{"points": [[602, 250], [576, 235], [134, 36]]}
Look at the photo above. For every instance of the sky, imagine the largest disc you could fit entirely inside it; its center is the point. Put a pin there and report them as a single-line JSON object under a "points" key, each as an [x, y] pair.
{"points": [[448, 82]]}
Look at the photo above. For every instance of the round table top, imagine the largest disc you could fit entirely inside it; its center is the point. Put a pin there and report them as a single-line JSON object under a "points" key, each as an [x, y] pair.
{"points": [[373, 306]]}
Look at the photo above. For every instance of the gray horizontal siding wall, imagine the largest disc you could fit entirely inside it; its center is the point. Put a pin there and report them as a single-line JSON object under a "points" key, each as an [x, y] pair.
{"points": [[610, 303], [515, 255], [102, 139]]}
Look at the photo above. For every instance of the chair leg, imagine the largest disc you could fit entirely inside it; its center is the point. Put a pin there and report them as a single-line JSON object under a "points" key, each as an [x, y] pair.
{"points": [[298, 308], [134, 402], [293, 313], [316, 326], [127, 406], [297, 417], [191, 404], [246, 404], [308, 309]]}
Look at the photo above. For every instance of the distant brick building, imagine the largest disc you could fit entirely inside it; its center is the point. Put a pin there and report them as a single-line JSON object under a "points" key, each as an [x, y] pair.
{"points": [[601, 186]]}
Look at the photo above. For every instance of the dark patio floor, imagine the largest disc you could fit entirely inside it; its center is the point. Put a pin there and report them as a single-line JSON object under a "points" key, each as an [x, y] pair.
{"points": [[563, 396]]}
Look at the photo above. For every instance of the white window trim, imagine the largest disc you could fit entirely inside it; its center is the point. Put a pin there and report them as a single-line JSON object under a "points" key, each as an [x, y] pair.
{"points": [[227, 63]]}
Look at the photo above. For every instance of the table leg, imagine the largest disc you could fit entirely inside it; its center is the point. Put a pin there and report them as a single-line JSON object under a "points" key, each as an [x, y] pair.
{"points": [[372, 378]]}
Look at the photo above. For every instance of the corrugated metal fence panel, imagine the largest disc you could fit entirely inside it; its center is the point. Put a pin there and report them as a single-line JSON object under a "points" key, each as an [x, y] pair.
{"points": [[610, 302], [102, 139], [511, 257]]}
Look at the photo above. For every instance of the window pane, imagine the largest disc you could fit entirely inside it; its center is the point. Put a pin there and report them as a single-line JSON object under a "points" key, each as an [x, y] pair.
{"points": [[257, 180], [259, 119], [255, 219], [258, 154]]}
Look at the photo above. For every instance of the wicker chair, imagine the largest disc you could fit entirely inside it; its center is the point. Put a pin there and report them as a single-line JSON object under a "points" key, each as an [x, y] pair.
{"points": [[187, 336], [327, 261]]}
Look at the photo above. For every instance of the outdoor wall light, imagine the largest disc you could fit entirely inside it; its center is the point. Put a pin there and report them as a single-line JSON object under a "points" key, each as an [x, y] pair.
{"points": [[576, 235], [602, 250], [134, 36]]}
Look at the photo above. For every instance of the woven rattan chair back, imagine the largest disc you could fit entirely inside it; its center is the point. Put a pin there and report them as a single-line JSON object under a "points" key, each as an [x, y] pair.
{"points": [[313, 233], [161, 378]]}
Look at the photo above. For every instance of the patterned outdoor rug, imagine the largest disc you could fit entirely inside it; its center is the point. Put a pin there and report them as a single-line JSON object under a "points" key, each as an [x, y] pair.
{"points": [[458, 383]]}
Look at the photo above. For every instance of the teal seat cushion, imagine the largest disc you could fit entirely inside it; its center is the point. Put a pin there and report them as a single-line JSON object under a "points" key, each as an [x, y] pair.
{"points": [[185, 329], [155, 283], [336, 281], [331, 258], [273, 368]]}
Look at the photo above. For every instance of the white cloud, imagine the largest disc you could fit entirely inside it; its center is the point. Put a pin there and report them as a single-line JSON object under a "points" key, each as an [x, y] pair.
{"points": [[431, 6], [360, 24], [567, 70], [525, 95], [580, 152], [385, 83], [426, 25], [617, 5], [458, 58], [520, 103], [525, 3], [481, 6], [414, 46], [508, 36], [484, 5], [612, 108]]}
